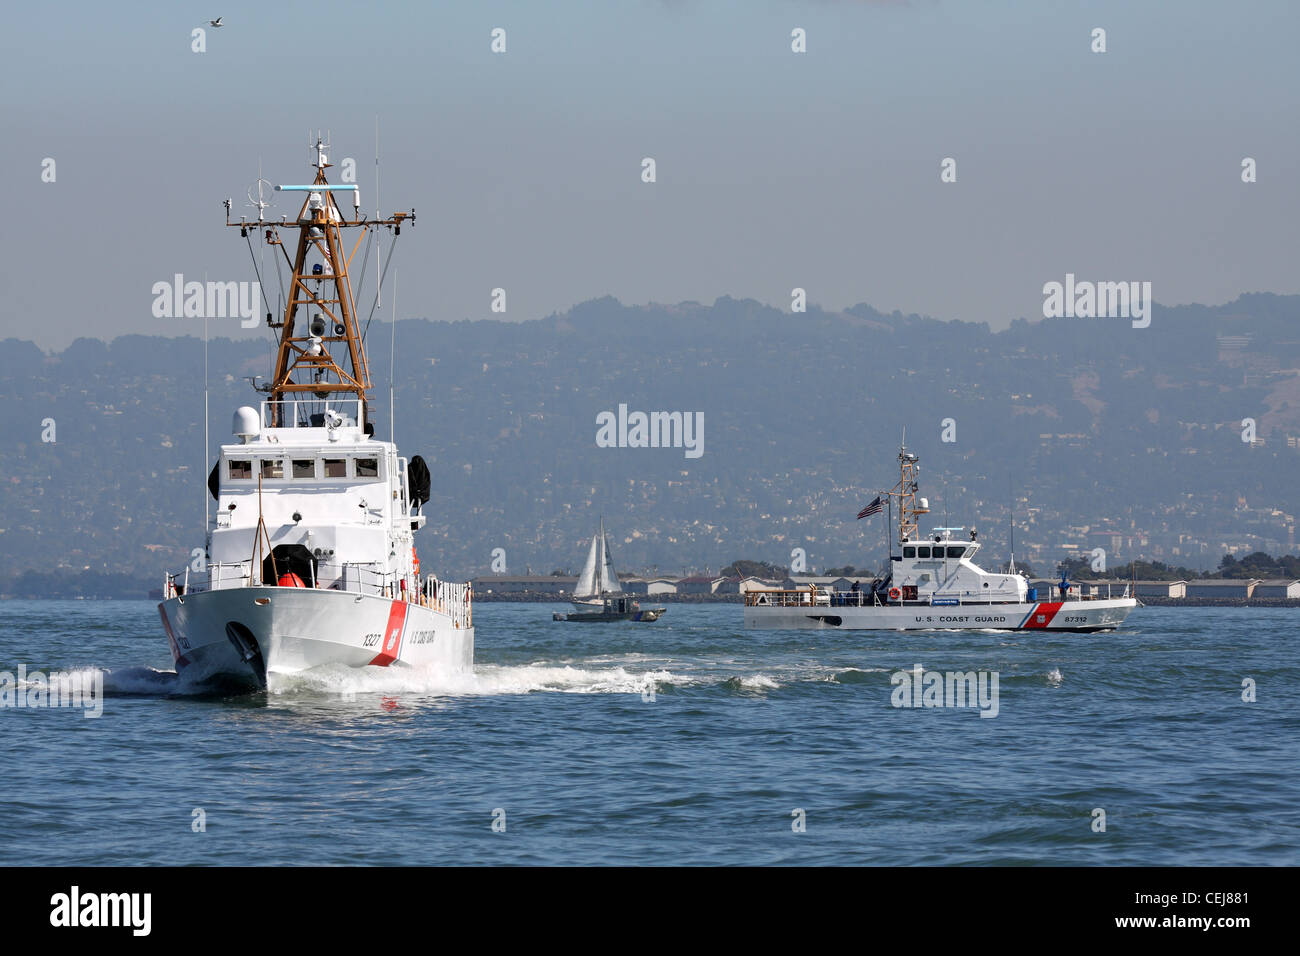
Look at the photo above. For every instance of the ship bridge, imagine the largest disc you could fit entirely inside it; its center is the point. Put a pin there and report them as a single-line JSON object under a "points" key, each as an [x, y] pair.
{"points": [[311, 474], [940, 568]]}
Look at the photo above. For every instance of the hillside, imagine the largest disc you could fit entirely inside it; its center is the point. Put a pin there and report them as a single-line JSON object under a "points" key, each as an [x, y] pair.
{"points": [[1103, 435]]}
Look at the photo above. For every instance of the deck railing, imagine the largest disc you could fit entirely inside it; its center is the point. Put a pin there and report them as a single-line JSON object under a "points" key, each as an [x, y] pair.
{"points": [[451, 598], [796, 598], [448, 597], [312, 413], [804, 597]]}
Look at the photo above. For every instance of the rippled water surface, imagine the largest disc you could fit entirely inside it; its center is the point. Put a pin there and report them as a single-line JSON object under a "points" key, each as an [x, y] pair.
{"points": [[689, 740]]}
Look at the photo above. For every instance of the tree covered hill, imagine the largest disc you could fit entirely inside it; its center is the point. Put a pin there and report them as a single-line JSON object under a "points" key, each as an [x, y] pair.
{"points": [[1096, 433]]}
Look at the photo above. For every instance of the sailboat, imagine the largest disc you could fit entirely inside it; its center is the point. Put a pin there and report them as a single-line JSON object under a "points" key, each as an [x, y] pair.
{"points": [[598, 595], [598, 575], [310, 559]]}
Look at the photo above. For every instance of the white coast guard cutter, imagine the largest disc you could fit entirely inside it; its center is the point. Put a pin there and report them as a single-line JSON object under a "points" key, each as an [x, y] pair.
{"points": [[311, 558], [933, 584]]}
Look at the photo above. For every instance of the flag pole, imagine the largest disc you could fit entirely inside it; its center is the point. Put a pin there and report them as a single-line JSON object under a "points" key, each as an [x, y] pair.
{"points": [[889, 542]]}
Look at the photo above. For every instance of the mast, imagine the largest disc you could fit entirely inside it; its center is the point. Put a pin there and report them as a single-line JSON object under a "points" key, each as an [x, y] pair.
{"points": [[1012, 567], [608, 575], [306, 366], [602, 584], [207, 510], [392, 364], [909, 468]]}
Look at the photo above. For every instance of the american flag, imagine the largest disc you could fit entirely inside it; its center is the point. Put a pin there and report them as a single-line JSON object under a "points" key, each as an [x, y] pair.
{"points": [[871, 509]]}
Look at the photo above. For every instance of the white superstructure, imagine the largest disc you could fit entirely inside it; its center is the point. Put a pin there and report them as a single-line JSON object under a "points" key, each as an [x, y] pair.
{"points": [[311, 556]]}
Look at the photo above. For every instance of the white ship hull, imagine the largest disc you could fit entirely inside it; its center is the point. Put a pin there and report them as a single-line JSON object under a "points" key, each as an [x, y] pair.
{"points": [[245, 635], [1097, 615]]}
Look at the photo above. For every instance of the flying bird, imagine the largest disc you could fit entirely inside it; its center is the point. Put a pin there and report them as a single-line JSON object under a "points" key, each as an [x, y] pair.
{"points": [[216, 22]]}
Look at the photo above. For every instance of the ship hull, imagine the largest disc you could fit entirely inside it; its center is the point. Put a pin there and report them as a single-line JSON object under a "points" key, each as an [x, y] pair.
{"points": [[641, 615], [249, 635], [1083, 616]]}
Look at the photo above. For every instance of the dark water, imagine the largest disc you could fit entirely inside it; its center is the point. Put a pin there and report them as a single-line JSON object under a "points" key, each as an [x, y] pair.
{"points": [[559, 728]]}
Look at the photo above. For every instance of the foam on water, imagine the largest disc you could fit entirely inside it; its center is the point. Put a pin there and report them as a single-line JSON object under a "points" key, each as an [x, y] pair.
{"points": [[122, 681], [331, 679], [854, 675], [571, 677], [485, 679], [144, 680]]}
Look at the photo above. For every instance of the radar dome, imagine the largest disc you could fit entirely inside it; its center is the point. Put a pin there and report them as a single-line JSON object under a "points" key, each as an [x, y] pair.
{"points": [[246, 425]]}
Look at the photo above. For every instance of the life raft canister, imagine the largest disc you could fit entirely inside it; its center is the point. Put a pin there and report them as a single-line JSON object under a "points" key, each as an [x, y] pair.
{"points": [[895, 594], [290, 580]]}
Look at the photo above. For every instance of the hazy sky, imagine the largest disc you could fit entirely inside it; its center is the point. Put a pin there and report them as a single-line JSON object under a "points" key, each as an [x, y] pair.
{"points": [[775, 169]]}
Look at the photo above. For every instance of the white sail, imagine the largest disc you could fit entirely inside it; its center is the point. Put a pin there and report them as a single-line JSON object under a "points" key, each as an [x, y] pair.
{"points": [[608, 576], [586, 586]]}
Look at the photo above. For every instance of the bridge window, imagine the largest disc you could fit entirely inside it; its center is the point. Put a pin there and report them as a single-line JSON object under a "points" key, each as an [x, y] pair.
{"points": [[336, 467], [909, 552], [241, 470], [272, 468], [923, 551], [367, 467], [956, 552], [304, 467]]}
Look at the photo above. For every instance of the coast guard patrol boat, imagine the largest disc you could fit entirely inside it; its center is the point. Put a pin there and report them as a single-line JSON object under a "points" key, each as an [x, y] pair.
{"points": [[932, 584], [310, 559]]}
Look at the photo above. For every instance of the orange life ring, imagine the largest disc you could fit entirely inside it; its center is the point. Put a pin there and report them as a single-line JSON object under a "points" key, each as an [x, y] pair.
{"points": [[895, 594]]}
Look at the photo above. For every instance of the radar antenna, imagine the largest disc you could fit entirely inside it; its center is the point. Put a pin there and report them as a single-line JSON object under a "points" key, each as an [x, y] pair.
{"points": [[262, 202], [321, 355]]}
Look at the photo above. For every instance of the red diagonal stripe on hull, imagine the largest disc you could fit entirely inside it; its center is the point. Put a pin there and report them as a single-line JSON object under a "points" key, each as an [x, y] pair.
{"points": [[1042, 615], [392, 641]]}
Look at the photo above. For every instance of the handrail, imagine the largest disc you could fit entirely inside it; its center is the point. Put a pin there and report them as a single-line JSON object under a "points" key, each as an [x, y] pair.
{"points": [[291, 416], [762, 597], [455, 599]]}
